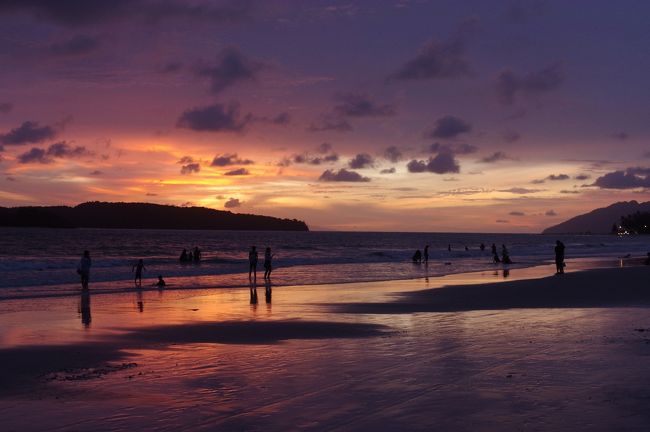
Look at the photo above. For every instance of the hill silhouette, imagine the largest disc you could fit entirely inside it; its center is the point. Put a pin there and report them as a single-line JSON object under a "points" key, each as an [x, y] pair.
{"points": [[141, 216], [598, 221]]}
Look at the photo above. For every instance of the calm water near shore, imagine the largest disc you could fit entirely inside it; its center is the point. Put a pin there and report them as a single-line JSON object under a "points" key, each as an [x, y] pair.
{"points": [[41, 262]]}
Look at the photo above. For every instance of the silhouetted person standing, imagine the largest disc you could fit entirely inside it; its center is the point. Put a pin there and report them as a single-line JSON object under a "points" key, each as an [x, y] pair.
{"points": [[268, 263], [559, 257], [138, 267], [495, 256], [197, 254], [426, 254], [183, 257], [252, 262], [504, 255], [482, 247], [84, 270]]}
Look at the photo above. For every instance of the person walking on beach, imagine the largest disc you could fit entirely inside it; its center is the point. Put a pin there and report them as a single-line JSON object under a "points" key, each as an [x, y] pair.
{"points": [[83, 269], [559, 257], [495, 256], [268, 265], [138, 267], [426, 254], [252, 262]]}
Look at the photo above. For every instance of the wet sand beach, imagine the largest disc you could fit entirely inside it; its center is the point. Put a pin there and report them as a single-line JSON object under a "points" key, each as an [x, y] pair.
{"points": [[473, 351]]}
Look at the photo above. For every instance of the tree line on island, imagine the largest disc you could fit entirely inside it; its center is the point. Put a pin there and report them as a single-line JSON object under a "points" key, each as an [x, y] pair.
{"points": [[629, 217], [141, 216]]}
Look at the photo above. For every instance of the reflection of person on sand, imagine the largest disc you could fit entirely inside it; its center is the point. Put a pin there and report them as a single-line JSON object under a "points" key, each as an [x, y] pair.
{"points": [[252, 262], [559, 257], [84, 309], [161, 282], [83, 269], [253, 292], [505, 257], [138, 267], [268, 291], [268, 264], [417, 257]]}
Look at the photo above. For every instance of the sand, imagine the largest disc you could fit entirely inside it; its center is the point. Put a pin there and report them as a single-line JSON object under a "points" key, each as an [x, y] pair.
{"points": [[464, 352]]}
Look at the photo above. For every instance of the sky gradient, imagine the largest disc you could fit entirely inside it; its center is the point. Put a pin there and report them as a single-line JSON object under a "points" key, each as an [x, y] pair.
{"points": [[404, 115]]}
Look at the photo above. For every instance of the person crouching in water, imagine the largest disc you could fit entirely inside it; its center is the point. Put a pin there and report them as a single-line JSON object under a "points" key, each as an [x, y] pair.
{"points": [[161, 282], [83, 269], [268, 265]]}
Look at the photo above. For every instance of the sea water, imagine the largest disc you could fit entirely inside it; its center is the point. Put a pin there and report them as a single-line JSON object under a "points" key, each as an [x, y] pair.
{"points": [[38, 262]]}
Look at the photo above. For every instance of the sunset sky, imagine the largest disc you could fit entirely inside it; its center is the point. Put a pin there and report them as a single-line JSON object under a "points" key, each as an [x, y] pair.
{"points": [[496, 116]]}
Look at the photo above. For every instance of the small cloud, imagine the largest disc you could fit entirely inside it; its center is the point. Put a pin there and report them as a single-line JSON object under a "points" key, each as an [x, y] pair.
{"points": [[190, 168], [214, 118], [621, 136], [231, 68], [76, 46], [324, 148], [448, 127], [582, 177], [569, 192], [237, 172], [96, 173], [550, 213], [361, 105], [510, 136], [329, 122], [517, 213], [538, 181], [28, 132], [281, 119], [502, 221], [232, 203], [390, 170], [558, 177], [496, 157], [185, 160], [35, 155], [509, 85], [229, 159], [361, 160], [520, 190], [171, 67], [442, 163], [151, 194], [6, 107], [342, 175], [393, 154], [455, 149], [63, 150]]}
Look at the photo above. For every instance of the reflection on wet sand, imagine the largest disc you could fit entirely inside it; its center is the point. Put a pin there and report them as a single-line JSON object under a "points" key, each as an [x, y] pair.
{"points": [[253, 293], [84, 309], [268, 291], [139, 300]]}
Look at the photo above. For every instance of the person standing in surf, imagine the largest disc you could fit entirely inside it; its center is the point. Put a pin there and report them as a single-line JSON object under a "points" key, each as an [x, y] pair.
{"points": [[83, 269]]}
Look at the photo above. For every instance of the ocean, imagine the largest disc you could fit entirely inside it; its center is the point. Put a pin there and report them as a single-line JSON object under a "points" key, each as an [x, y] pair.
{"points": [[37, 262]]}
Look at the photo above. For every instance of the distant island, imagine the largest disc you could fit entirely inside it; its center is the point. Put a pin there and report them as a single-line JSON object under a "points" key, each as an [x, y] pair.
{"points": [[141, 216], [626, 216]]}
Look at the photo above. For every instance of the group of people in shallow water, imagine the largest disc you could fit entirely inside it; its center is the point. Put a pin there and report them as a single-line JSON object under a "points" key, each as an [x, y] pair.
{"points": [[191, 257], [419, 257]]}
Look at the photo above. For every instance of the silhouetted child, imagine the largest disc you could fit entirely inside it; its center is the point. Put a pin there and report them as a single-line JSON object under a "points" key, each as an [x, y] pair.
{"points": [[417, 257], [252, 262], [197, 254], [83, 269], [161, 282], [268, 265], [183, 257], [138, 267]]}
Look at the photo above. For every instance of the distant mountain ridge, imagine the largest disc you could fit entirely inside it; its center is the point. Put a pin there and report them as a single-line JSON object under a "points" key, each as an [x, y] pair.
{"points": [[598, 221], [141, 216]]}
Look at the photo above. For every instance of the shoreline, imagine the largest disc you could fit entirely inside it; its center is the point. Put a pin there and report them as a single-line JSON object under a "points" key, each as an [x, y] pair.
{"points": [[576, 264]]}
